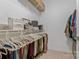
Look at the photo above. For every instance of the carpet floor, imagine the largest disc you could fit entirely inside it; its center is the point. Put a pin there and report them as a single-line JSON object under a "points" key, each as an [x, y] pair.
{"points": [[55, 55]]}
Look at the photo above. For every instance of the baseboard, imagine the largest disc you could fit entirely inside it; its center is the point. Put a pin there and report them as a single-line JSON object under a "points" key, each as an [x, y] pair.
{"points": [[61, 51]]}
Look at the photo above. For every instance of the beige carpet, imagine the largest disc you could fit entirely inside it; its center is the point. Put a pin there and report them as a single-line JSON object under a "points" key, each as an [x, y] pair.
{"points": [[55, 55]]}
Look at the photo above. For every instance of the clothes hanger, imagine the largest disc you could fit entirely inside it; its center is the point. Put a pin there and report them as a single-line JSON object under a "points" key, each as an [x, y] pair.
{"points": [[2, 49]]}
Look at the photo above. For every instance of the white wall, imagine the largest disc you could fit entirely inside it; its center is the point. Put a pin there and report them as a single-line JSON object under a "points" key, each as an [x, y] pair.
{"points": [[54, 20], [77, 17], [13, 8], [77, 45]]}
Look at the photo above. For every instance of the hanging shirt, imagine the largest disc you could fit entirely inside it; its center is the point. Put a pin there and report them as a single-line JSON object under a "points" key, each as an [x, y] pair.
{"points": [[0, 55]]}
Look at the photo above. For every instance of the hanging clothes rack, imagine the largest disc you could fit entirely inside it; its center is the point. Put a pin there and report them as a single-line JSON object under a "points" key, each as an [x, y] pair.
{"points": [[22, 44]]}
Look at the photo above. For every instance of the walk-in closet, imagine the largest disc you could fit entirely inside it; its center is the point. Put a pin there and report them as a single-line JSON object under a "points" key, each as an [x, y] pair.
{"points": [[39, 29]]}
